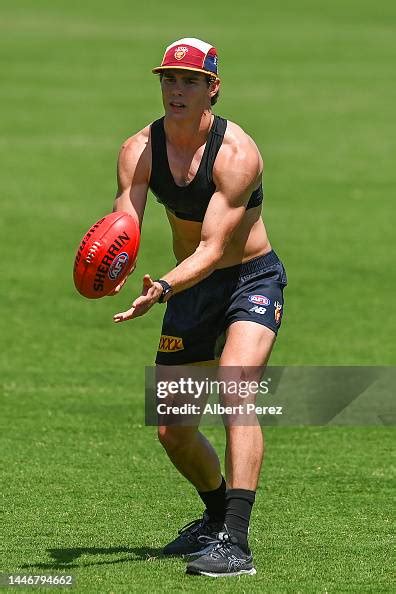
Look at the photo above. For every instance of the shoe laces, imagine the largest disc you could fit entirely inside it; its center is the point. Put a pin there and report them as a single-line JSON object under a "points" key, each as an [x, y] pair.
{"points": [[192, 527], [220, 545]]}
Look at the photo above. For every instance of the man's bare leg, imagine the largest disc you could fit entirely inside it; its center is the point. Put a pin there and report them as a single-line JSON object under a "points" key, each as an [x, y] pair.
{"points": [[248, 345], [188, 449], [247, 350], [193, 456]]}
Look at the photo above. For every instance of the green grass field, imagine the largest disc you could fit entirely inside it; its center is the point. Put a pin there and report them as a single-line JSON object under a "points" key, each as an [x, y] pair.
{"points": [[86, 488]]}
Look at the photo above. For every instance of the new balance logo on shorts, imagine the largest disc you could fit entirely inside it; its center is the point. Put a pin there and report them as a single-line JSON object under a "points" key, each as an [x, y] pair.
{"points": [[258, 309], [170, 344]]}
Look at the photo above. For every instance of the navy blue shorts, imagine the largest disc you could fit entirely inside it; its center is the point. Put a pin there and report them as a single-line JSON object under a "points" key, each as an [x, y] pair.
{"points": [[196, 319]]}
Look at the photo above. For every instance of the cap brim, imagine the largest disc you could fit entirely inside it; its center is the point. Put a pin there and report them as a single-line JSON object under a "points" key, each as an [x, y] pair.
{"points": [[162, 68]]}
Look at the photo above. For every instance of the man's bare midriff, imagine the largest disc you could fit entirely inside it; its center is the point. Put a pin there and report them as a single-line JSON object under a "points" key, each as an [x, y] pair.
{"points": [[249, 240]]}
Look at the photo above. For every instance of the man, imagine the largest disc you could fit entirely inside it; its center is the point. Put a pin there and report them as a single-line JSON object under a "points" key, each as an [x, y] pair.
{"points": [[207, 172]]}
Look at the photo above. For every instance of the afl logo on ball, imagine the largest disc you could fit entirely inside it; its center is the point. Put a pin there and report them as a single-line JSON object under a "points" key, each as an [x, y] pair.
{"points": [[118, 265], [259, 299], [180, 52]]}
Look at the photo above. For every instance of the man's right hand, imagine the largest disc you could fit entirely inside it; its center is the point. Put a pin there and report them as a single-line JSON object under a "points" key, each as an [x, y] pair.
{"points": [[151, 292]]}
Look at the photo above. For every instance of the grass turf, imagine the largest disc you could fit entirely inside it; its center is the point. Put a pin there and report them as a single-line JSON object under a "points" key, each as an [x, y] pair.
{"points": [[87, 488]]}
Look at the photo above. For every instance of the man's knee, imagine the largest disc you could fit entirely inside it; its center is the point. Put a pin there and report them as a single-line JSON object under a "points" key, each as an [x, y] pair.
{"points": [[174, 438]]}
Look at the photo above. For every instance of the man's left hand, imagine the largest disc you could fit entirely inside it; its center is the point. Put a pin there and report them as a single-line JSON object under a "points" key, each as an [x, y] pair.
{"points": [[151, 292]]}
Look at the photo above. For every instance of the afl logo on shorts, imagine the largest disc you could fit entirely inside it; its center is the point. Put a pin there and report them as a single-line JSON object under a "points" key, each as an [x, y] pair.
{"points": [[118, 265], [259, 299], [180, 52]]}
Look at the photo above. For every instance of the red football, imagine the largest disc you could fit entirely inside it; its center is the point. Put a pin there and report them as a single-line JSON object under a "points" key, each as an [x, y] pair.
{"points": [[106, 254]]}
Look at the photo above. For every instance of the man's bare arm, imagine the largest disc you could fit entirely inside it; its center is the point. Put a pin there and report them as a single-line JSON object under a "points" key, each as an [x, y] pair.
{"points": [[133, 174]]}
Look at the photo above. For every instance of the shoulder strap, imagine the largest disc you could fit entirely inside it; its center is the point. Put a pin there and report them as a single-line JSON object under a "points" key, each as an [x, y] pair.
{"points": [[216, 140], [158, 150]]}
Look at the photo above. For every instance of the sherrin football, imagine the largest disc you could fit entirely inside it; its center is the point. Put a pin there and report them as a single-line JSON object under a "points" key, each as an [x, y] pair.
{"points": [[106, 254]]}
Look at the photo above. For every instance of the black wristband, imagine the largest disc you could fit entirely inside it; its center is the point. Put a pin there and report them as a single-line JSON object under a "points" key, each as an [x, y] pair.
{"points": [[166, 289]]}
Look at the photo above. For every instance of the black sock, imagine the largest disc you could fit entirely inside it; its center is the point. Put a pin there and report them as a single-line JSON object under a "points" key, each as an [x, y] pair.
{"points": [[238, 510], [215, 502]]}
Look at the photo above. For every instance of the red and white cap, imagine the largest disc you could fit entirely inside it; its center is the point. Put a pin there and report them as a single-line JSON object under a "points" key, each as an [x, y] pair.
{"points": [[190, 54]]}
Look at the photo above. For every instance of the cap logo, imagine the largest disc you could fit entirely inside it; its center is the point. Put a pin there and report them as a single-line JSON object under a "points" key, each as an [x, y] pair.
{"points": [[180, 52]]}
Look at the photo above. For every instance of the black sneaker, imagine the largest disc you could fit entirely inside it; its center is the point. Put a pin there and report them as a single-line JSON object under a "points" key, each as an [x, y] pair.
{"points": [[188, 540], [222, 557]]}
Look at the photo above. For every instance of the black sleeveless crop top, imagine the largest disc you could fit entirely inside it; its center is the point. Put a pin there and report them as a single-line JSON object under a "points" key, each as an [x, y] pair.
{"points": [[191, 201]]}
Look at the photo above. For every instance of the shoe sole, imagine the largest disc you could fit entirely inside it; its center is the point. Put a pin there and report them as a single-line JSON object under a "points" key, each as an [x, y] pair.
{"points": [[230, 574]]}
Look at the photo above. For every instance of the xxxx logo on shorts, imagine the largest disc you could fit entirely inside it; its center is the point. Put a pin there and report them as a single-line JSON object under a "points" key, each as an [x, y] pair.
{"points": [[170, 344], [180, 52]]}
